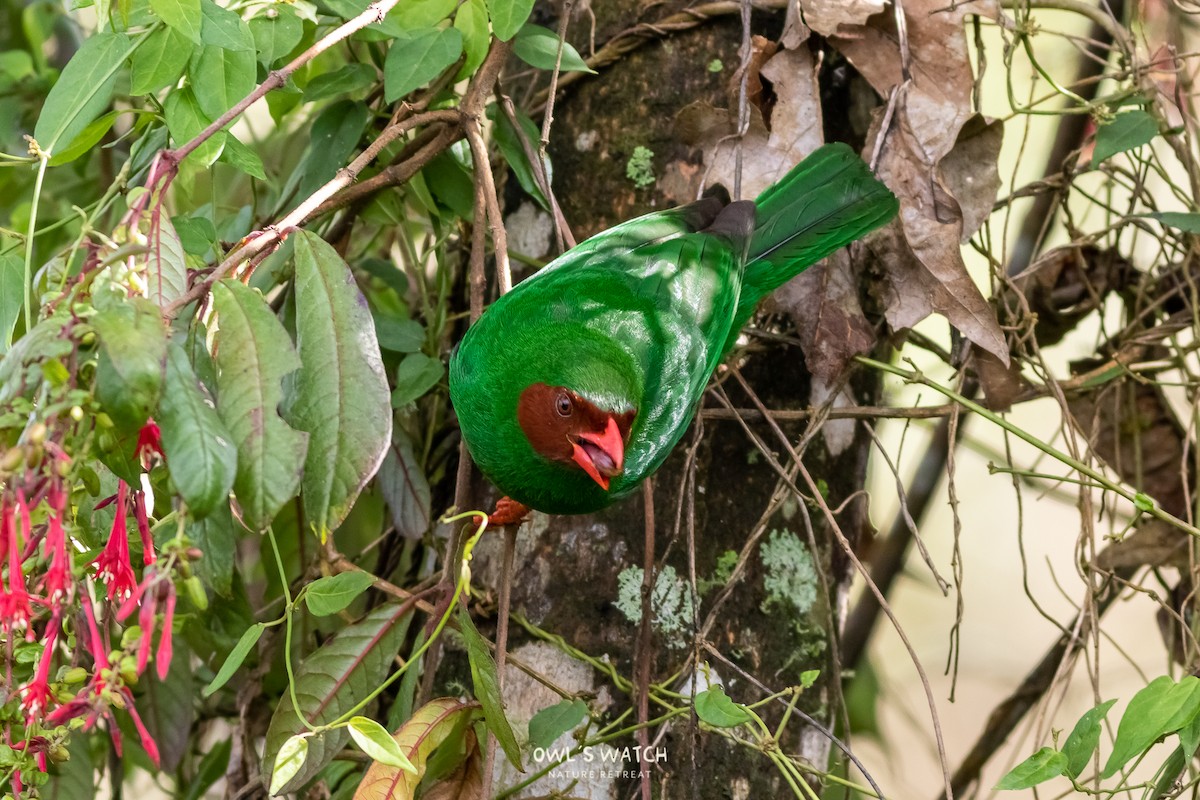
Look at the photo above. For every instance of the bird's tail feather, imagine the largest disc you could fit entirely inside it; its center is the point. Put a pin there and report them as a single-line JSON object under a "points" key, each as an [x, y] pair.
{"points": [[825, 202]]}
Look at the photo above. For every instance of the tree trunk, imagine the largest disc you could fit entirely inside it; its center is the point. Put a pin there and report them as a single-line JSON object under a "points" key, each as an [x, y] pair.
{"points": [[716, 498]]}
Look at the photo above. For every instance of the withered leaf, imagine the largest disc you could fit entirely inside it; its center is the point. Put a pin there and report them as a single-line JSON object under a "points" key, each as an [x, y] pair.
{"points": [[826, 16], [1130, 426], [926, 270]]}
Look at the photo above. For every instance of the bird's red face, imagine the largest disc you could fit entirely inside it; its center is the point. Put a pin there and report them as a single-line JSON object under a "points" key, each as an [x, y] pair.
{"points": [[564, 427]]}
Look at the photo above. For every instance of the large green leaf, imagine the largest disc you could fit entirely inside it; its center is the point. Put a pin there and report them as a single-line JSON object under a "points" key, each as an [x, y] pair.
{"points": [[341, 395], [12, 293], [159, 61], [133, 352], [538, 47], [1040, 767], [471, 20], [166, 264], [331, 681], [275, 37], [1084, 738], [1162, 707], [221, 27], [221, 77], [1127, 131], [254, 353], [167, 709], [416, 58], [198, 447], [215, 538], [180, 15], [508, 16], [405, 488], [83, 89], [553, 721], [487, 688], [185, 120]]}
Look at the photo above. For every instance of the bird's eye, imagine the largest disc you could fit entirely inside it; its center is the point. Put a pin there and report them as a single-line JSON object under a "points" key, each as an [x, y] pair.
{"points": [[563, 405]]}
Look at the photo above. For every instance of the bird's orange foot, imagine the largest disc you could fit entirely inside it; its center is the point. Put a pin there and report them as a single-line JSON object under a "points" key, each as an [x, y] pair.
{"points": [[508, 512]]}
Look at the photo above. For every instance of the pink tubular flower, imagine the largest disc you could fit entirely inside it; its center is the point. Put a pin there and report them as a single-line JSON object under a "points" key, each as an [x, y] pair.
{"points": [[143, 526], [35, 695], [112, 565], [149, 444], [58, 583], [15, 610]]}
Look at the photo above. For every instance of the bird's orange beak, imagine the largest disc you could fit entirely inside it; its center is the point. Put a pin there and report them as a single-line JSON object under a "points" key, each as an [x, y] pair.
{"points": [[601, 455]]}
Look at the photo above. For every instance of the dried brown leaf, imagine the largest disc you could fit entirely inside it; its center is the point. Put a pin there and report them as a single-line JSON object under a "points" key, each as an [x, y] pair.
{"points": [[466, 781], [826, 16], [1154, 544], [1131, 427], [823, 303], [972, 173], [927, 272], [767, 152], [1002, 384]]}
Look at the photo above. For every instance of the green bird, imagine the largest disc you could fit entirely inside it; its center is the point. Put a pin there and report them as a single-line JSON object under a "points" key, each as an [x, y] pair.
{"points": [[574, 387]]}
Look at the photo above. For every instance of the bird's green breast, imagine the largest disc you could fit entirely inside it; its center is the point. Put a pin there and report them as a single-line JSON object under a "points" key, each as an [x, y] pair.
{"points": [[638, 324]]}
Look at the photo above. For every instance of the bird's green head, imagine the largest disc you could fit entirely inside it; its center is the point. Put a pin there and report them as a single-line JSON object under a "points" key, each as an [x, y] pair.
{"points": [[547, 412]]}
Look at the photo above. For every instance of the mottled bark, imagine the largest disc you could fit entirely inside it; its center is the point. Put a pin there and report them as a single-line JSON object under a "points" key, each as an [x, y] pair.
{"points": [[775, 623]]}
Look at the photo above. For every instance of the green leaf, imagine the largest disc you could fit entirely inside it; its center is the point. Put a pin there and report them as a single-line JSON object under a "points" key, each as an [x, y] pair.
{"points": [[405, 488], [166, 264], [223, 28], [83, 90], [1189, 736], [220, 78], [198, 447], [133, 352], [373, 740], [73, 778], [487, 688], [508, 16], [715, 708], [341, 392], [331, 594], [275, 37], [513, 149], [185, 121], [471, 20], [181, 15], [438, 722], [346, 80], [1127, 131], [451, 184], [331, 681], [399, 335], [1160, 708], [1143, 502], [1186, 222], [254, 353], [417, 58], [86, 140], [1040, 767], [415, 14], [235, 658], [160, 61], [12, 294], [243, 158], [1168, 774], [212, 768], [167, 708], [214, 537], [1084, 738], [289, 761], [552, 722], [334, 136], [416, 375], [809, 677], [538, 47]]}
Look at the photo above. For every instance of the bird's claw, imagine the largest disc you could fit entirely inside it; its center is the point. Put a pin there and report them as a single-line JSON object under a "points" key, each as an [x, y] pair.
{"points": [[508, 512]]}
